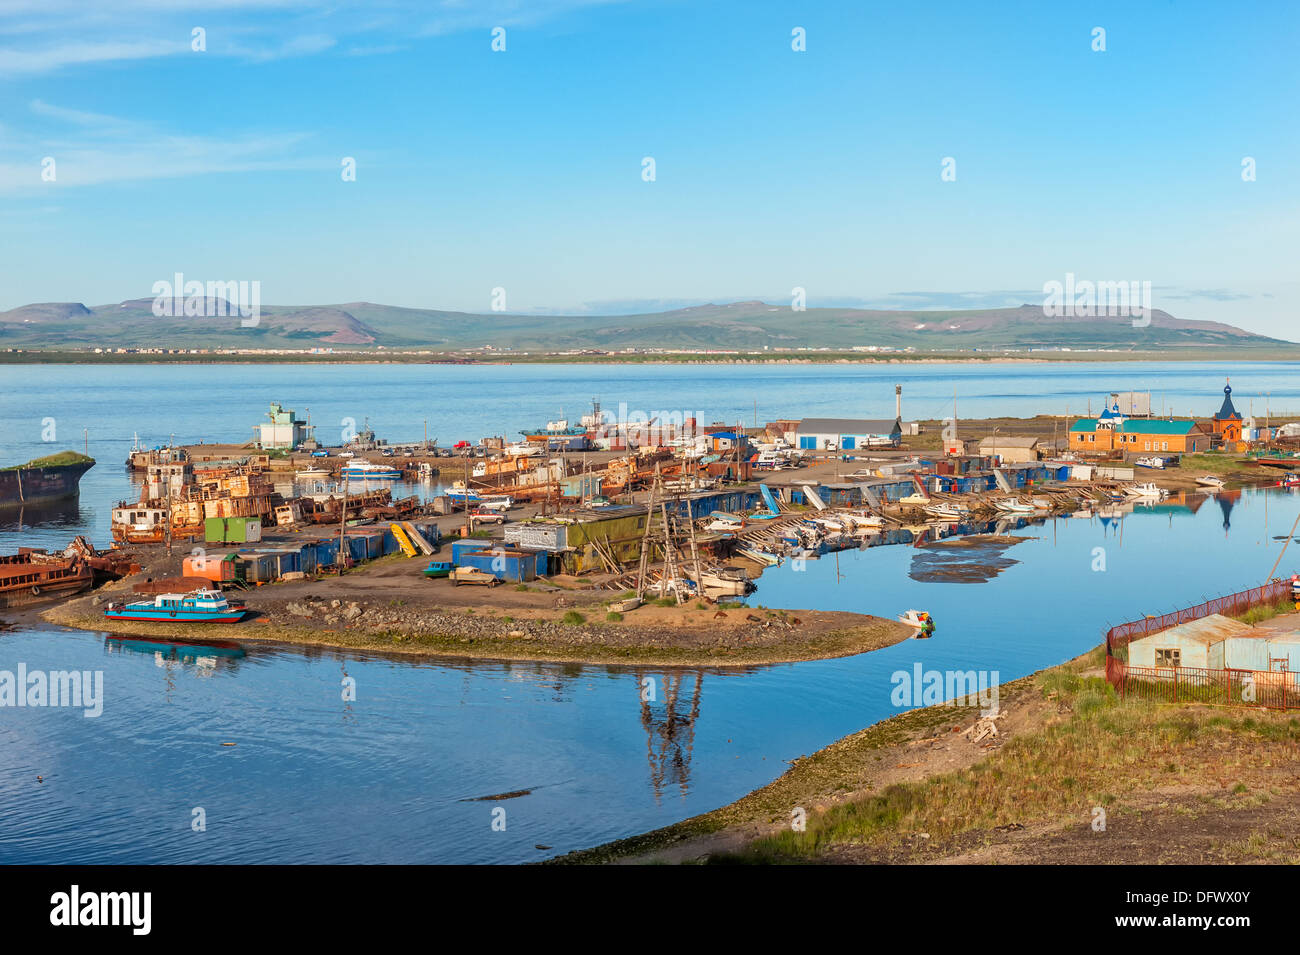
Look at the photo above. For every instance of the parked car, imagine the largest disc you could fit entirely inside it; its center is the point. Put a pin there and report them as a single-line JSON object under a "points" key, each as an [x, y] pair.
{"points": [[472, 575], [387, 452], [487, 517], [320, 454]]}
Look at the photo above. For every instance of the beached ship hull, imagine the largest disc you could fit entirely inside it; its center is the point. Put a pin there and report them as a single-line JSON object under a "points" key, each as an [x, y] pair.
{"points": [[29, 577], [24, 486]]}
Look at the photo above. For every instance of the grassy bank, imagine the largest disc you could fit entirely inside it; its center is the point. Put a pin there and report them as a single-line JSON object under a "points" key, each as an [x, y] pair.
{"points": [[1076, 776]]}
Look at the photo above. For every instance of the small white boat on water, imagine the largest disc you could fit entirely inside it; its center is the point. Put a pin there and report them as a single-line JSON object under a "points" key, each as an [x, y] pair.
{"points": [[1012, 506], [918, 620], [1210, 481], [1146, 490]]}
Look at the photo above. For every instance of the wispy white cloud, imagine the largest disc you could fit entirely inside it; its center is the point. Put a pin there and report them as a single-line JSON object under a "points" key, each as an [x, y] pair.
{"points": [[109, 149], [45, 36], [17, 62]]}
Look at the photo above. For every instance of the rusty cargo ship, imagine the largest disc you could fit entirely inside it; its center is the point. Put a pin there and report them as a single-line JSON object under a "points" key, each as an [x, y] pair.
{"points": [[44, 480]]}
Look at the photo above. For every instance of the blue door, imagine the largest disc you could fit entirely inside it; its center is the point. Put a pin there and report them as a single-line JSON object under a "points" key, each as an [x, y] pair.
{"points": [[807, 443], [846, 442]]}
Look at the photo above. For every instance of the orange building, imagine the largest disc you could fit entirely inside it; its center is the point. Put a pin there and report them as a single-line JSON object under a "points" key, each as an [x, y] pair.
{"points": [[1139, 436], [1226, 424]]}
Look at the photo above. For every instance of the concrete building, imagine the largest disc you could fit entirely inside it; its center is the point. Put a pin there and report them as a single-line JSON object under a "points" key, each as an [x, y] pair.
{"points": [[282, 431]]}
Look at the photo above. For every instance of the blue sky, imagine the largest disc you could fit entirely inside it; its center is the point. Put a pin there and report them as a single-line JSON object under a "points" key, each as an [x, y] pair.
{"points": [[774, 168]]}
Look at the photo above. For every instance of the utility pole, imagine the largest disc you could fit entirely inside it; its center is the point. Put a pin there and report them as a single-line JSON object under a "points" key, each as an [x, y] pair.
{"points": [[468, 527], [343, 523]]}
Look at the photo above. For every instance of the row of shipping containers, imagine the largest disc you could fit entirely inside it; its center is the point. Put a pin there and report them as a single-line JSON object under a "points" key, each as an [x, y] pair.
{"points": [[512, 564], [274, 561]]}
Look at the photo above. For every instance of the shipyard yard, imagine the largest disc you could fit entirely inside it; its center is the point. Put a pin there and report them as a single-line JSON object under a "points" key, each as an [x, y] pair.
{"points": [[701, 557]]}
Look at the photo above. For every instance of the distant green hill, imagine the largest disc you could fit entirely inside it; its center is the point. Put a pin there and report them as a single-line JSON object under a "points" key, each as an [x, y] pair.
{"points": [[746, 326]]}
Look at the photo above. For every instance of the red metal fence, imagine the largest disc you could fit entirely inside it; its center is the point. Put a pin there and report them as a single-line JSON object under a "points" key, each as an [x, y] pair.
{"points": [[1194, 684]]}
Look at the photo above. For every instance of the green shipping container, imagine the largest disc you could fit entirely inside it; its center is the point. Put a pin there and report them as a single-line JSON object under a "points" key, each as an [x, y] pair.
{"points": [[232, 530]]}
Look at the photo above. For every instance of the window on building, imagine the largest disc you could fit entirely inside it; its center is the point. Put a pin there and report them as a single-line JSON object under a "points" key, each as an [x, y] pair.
{"points": [[1164, 445], [1169, 657]]}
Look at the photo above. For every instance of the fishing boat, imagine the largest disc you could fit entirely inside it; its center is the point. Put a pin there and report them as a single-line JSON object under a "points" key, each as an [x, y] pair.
{"points": [[312, 474], [438, 568], [198, 606], [554, 429], [458, 494], [731, 581], [1151, 462], [367, 471], [1209, 480], [1011, 506], [919, 620]]}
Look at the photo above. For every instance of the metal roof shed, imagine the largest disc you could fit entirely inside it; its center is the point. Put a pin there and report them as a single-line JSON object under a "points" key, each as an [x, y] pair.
{"points": [[1197, 643]]}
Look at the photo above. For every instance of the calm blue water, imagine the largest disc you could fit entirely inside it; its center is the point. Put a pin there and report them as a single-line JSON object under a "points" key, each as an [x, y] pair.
{"points": [[397, 775]]}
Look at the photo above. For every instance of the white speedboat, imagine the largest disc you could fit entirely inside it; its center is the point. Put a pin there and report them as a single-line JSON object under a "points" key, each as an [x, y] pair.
{"points": [[1147, 490], [1209, 480], [1011, 506], [1151, 462]]}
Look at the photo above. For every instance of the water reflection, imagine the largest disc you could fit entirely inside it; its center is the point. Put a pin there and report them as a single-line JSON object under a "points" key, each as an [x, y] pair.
{"points": [[63, 513], [670, 727]]}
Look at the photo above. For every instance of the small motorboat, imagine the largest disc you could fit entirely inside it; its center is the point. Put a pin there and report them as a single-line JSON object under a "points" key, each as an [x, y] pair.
{"points": [[199, 606], [919, 620], [367, 471], [1145, 490], [1012, 506], [438, 568], [1151, 462], [1209, 480]]}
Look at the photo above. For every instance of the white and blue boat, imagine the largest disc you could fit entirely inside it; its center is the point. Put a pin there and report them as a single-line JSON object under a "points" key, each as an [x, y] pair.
{"points": [[199, 606], [366, 471]]}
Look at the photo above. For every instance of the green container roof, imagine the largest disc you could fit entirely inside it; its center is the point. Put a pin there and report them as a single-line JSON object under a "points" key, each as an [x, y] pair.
{"points": [[1140, 426]]}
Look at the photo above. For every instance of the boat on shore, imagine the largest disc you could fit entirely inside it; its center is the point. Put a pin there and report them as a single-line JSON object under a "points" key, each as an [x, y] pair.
{"points": [[438, 569], [32, 575], [198, 606], [1155, 463], [43, 480], [1209, 480]]}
